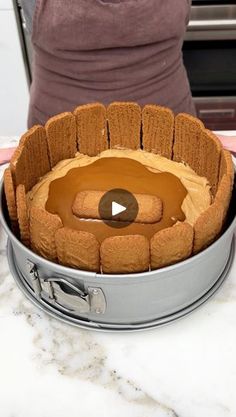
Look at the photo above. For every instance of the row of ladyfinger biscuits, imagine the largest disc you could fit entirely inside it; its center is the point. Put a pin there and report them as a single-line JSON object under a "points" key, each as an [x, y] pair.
{"points": [[182, 139], [45, 234], [93, 128]]}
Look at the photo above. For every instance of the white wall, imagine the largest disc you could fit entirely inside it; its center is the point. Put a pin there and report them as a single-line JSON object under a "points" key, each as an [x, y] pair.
{"points": [[14, 94]]}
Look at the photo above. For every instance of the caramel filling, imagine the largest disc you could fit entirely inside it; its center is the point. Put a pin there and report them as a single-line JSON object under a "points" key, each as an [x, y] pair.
{"points": [[114, 172]]}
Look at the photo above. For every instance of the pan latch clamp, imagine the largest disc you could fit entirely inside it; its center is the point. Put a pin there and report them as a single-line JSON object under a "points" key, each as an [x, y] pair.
{"points": [[66, 295]]}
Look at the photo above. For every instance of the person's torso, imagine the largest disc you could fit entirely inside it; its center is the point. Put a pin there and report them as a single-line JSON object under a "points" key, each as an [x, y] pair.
{"points": [[100, 50]]}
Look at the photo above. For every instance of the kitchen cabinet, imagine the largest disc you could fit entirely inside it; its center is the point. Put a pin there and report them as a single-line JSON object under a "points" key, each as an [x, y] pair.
{"points": [[14, 93]]}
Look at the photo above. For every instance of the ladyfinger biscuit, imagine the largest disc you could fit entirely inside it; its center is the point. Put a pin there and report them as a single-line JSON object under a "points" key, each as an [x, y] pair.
{"points": [[226, 165], [223, 194], [158, 130], [171, 245], [91, 128], [77, 249], [187, 140], [124, 123], [125, 254], [43, 227], [209, 158], [22, 214], [61, 137], [150, 208], [86, 205], [10, 198], [207, 226], [30, 160]]}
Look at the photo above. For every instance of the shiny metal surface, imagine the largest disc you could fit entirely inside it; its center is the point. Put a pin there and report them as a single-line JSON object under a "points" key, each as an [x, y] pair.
{"points": [[90, 325], [212, 22], [64, 295], [217, 113]]}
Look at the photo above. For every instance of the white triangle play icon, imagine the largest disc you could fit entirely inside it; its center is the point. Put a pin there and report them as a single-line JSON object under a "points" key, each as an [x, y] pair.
{"points": [[117, 208]]}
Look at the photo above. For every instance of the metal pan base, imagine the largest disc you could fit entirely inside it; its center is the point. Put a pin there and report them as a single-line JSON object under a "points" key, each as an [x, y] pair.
{"points": [[114, 327]]}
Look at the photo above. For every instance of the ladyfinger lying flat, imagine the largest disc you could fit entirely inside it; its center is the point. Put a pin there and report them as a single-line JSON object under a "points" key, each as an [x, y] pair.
{"points": [[87, 205], [125, 254]]}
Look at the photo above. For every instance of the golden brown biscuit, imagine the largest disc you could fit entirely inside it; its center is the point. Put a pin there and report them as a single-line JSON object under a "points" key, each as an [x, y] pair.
{"points": [[10, 198], [30, 160], [43, 226], [209, 158], [224, 192], [18, 166], [125, 254], [226, 165], [124, 123], [187, 140], [171, 245], [86, 205], [207, 226], [77, 249], [158, 130], [22, 214], [91, 128], [61, 137]]}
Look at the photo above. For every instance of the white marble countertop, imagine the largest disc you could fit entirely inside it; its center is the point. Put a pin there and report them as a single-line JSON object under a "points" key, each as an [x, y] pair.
{"points": [[47, 368]]}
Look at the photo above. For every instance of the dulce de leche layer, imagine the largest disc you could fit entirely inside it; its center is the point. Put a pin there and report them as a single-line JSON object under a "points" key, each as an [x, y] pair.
{"points": [[111, 173], [183, 193]]}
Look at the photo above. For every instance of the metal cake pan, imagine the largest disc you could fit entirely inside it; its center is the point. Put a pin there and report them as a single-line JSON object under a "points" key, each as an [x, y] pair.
{"points": [[121, 302]]}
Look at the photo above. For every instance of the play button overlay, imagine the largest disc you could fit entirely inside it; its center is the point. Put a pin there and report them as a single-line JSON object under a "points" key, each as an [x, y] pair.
{"points": [[118, 208]]}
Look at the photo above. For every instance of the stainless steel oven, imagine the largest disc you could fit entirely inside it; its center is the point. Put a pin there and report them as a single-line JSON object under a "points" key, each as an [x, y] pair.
{"points": [[209, 53], [210, 58]]}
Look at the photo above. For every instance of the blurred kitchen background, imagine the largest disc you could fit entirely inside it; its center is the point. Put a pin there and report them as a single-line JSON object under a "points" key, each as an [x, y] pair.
{"points": [[209, 53]]}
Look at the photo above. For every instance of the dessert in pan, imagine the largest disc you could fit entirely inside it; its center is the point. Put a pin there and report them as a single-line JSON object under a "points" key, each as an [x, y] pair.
{"points": [[63, 178]]}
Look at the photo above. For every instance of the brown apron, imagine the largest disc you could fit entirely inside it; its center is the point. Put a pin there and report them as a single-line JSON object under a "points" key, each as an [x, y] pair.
{"points": [[101, 50]]}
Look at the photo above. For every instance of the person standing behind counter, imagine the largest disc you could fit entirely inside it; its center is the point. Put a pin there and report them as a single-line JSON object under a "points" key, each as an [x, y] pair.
{"points": [[106, 50]]}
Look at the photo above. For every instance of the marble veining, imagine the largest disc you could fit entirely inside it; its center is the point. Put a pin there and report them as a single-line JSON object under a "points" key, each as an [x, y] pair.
{"points": [[48, 368]]}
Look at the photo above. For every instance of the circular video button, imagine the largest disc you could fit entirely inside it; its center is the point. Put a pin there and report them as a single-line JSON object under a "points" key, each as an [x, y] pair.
{"points": [[118, 208]]}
